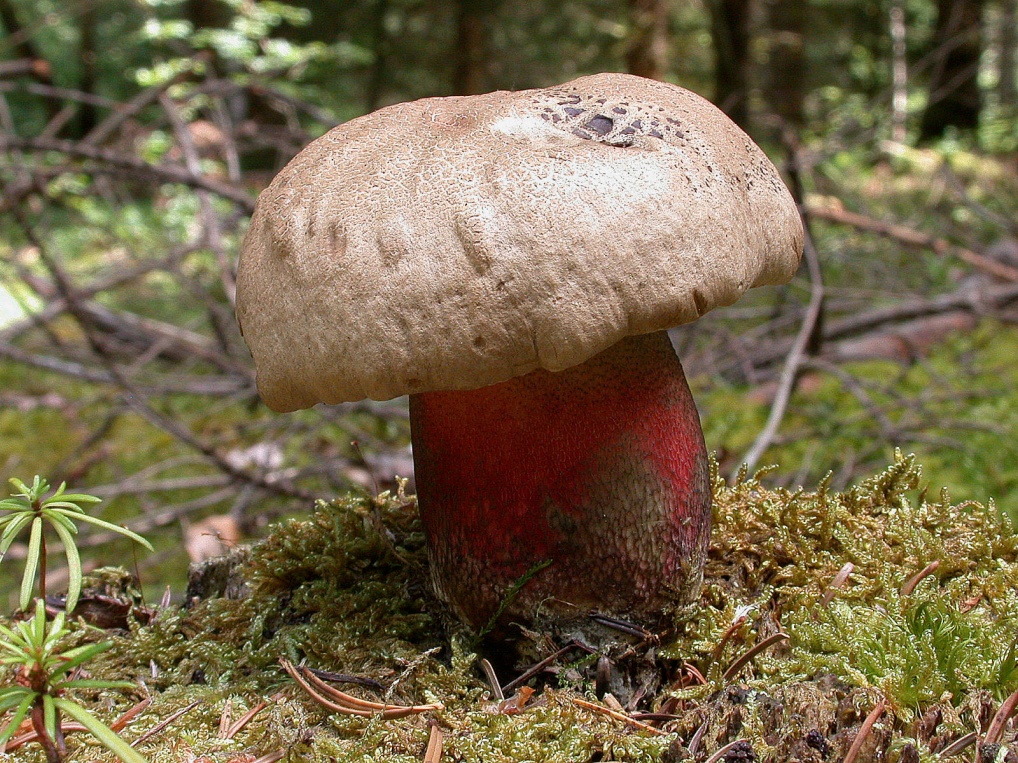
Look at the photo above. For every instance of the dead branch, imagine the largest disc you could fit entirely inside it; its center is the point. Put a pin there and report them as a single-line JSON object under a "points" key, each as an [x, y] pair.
{"points": [[210, 220], [809, 332], [793, 360], [133, 397], [990, 301], [111, 161], [912, 237]]}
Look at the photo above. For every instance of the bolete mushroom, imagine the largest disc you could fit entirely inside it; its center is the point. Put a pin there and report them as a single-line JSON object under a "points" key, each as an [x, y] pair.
{"points": [[512, 261]]}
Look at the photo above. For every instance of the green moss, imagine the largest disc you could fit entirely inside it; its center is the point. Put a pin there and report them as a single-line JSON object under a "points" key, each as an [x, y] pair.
{"points": [[345, 589]]}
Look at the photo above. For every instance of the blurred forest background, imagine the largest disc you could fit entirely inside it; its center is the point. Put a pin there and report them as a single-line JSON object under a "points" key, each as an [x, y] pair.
{"points": [[136, 134]]}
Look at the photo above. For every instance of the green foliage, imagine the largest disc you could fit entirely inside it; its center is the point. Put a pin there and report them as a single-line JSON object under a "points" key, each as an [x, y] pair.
{"points": [[248, 44], [951, 637], [44, 677], [31, 508], [917, 652]]}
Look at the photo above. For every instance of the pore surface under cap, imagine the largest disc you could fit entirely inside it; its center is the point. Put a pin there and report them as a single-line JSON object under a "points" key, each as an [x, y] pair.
{"points": [[452, 243]]}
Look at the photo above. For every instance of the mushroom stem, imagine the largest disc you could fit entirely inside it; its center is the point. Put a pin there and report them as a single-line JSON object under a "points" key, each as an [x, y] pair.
{"points": [[600, 469]]}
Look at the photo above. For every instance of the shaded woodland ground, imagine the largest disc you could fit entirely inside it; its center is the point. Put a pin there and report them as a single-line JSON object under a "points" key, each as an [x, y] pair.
{"points": [[136, 138]]}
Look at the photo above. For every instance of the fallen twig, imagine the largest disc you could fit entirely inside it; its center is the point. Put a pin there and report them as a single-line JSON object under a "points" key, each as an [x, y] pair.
{"points": [[341, 702], [837, 582], [739, 664], [959, 745], [1003, 715], [618, 716], [912, 237], [864, 730], [912, 582], [117, 161], [986, 301], [538, 667], [434, 752], [166, 722], [722, 751], [793, 361]]}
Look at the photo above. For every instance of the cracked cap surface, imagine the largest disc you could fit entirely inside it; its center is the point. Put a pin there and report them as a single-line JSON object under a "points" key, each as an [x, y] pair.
{"points": [[453, 243]]}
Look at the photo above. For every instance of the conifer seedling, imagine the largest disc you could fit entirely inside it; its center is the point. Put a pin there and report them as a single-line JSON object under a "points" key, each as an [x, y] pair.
{"points": [[31, 508], [44, 674]]}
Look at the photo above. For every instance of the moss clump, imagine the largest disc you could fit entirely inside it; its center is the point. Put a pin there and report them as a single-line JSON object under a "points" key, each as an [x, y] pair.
{"points": [[345, 590]]}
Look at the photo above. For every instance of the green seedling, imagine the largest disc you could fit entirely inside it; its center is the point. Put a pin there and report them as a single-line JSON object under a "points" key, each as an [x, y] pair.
{"points": [[31, 508], [43, 676]]}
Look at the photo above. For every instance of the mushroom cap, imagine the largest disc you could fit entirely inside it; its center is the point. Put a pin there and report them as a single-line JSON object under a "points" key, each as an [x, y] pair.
{"points": [[453, 243]]}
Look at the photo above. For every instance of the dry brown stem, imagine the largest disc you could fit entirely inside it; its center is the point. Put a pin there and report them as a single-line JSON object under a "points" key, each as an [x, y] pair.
{"points": [[434, 752], [912, 237], [837, 582], [864, 730], [618, 716], [739, 664], [1000, 719], [341, 702]]}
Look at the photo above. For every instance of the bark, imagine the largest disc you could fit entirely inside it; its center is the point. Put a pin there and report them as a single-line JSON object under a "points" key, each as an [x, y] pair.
{"points": [[1008, 88], [899, 72], [647, 53], [21, 43], [730, 32], [207, 15], [88, 118], [379, 67], [32, 62], [954, 95], [470, 74], [786, 66]]}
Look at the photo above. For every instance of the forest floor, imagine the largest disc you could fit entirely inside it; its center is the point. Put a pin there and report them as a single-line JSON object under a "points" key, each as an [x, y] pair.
{"points": [[875, 623]]}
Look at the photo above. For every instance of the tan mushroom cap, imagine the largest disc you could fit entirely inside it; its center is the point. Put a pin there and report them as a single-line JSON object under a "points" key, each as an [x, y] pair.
{"points": [[452, 243]]}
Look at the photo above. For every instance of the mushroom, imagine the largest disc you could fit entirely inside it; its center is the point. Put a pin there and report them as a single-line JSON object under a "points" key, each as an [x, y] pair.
{"points": [[512, 261]]}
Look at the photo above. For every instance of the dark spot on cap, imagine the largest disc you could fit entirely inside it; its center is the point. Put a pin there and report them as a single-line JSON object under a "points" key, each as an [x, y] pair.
{"points": [[655, 134], [619, 110], [573, 112], [569, 99], [600, 125]]}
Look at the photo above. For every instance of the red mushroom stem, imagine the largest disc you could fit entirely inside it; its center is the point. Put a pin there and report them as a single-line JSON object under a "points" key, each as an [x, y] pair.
{"points": [[600, 469]]}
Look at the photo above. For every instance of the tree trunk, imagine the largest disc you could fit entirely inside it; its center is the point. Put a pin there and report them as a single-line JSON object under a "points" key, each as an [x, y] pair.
{"points": [[730, 32], [899, 72], [1007, 88], [21, 43], [954, 96], [786, 64], [471, 66], [647, 52], [380, 48], [87, 116]]}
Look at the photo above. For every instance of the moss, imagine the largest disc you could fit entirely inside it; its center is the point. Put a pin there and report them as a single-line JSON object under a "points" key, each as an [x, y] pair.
{"points": [[345, 589]]}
